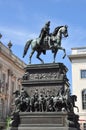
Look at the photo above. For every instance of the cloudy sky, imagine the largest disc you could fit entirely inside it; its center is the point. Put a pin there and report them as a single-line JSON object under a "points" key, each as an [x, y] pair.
{"points": [[22, 20]]}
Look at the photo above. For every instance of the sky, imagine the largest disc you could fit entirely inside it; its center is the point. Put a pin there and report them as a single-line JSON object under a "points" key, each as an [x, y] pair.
{"points": [[22, 20]]}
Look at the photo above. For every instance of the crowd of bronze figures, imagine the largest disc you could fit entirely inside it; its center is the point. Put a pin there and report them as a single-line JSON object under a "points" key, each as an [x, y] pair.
{"points": [[40, 102]]}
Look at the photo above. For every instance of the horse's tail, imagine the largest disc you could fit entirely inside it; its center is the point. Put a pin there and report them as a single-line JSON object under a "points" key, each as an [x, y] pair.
{"points": [[26, 47]]}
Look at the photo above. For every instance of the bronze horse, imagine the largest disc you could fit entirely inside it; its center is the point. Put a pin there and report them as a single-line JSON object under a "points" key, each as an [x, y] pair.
{"points": [[53, 39]]}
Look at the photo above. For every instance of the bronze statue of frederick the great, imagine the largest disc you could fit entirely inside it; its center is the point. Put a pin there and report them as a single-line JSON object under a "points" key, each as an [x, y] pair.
{"points": [[47, 41]]}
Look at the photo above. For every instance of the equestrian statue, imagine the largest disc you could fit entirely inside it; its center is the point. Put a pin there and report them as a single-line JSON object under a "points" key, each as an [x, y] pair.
{"points": [[47, 41]]}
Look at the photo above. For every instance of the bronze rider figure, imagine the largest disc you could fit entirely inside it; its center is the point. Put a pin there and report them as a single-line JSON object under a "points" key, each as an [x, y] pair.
{"points": [[45, 31]]}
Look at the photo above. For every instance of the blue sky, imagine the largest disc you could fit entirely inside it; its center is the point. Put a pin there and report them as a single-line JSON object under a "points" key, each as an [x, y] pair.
{"points": [[21, 20]]}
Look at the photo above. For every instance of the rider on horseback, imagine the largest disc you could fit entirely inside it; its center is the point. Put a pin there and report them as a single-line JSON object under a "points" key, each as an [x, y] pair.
{"points": [[45, 32]]}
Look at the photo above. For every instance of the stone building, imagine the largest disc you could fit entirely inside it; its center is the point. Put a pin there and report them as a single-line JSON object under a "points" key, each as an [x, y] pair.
{"points": [[11, 72], [78, 61]]}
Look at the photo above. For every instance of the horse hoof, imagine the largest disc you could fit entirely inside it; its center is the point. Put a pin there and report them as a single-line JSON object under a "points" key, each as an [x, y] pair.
{"points": [[42, 62]]}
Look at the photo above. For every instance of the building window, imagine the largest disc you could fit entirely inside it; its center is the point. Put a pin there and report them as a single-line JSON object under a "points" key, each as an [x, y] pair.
{"points": [[84, 99], [3, 77], [13, 86], [84, 126], [2, 83], [83, 73]]}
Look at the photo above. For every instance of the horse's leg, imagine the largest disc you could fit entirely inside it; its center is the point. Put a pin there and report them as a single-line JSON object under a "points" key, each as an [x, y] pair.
{"points": [[77, 108], [31, 56], [38, 54], [63, 50], [64, 53], [55, 52]]}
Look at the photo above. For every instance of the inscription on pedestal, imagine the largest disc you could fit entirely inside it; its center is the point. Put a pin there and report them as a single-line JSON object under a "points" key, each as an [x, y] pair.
{"points": [[43, 119]]}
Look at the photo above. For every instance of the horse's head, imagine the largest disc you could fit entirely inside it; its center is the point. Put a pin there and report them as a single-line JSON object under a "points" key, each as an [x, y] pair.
{"points": [[64, 30], [74, 98], [60, 30]]}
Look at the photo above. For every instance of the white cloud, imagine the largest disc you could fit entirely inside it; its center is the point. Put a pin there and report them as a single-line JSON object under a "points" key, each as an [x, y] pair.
{"points": [[15, 35]]}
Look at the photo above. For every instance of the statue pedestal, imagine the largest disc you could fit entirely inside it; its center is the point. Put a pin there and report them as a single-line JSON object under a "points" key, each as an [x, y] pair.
{"points": [[45, 77], [47, 121], [48, 80]]}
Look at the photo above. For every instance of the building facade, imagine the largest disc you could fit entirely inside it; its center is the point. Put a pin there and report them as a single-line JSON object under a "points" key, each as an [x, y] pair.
{"points": [[78, 61], [11, 72]]}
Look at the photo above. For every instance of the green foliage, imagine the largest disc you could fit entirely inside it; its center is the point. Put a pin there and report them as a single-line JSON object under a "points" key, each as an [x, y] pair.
{"points": [[8, 121]]}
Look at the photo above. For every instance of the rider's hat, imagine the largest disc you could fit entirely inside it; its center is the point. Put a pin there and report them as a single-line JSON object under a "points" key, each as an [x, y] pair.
{"points": [[48, 23]]}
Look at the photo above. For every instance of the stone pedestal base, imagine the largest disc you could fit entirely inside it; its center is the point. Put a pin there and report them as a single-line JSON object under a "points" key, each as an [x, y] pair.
{"points": [[45, 78], [48, 80], [46, 128], [47, 121]]}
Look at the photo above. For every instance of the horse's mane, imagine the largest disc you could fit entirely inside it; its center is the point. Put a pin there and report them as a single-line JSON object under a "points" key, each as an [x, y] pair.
{"points": [[56, 30]]}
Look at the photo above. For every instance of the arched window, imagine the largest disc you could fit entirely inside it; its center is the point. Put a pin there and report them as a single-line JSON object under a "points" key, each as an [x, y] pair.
{"points": [[84, 99]]}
